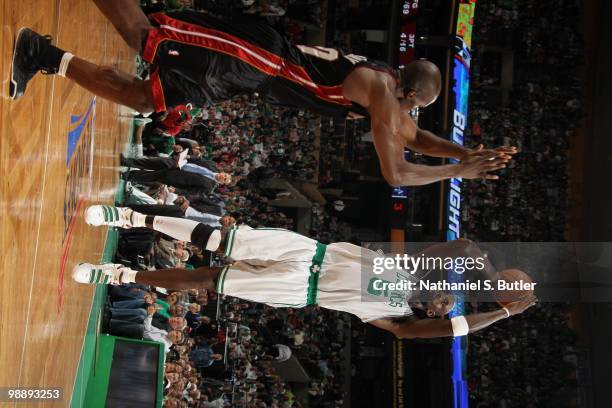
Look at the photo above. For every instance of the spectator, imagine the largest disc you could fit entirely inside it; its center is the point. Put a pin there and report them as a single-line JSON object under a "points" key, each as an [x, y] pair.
{"points": [[167, 338]]}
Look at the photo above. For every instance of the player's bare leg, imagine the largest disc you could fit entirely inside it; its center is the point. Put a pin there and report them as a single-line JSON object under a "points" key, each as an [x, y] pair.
{"points": [[112, 84], [203, 277], [34, 52], [128, 19], [172, 278]]}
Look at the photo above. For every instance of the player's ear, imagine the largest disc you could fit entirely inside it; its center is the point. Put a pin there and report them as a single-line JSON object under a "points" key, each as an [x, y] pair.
{"points": [[410, 93]]}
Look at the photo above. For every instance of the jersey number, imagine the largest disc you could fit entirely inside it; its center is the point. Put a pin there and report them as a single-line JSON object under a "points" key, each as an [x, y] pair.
{"points": [[355, 59], [328, 54]]}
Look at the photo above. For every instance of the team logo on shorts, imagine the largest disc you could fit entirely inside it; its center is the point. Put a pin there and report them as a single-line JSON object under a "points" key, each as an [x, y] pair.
{"points": [[173, 52]]}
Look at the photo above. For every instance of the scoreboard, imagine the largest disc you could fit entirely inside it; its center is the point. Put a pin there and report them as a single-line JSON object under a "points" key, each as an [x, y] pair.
{"points": [[410, 8], [407, 40]]}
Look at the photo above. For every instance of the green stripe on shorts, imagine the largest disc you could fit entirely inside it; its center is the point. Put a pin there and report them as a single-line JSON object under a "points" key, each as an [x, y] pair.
{"points": [[221, 282], [230, 241]]}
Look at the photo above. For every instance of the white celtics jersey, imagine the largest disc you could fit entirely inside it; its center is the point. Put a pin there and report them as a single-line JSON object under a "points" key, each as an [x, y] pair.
{"points": [[284, 269], [346, 285]]}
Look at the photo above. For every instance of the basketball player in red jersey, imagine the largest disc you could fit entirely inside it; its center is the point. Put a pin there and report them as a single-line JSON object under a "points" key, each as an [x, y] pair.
{"points": [[202, 59]]}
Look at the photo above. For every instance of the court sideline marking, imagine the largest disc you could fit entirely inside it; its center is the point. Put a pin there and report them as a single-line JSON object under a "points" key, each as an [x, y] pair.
{"points": [[42, 205]]}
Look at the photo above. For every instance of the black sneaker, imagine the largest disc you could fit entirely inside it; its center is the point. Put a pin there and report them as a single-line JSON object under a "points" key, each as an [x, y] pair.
{"points": [[28, 60]]}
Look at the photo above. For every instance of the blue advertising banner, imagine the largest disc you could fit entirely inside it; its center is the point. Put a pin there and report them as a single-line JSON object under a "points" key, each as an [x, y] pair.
{"points": [[459, 108]]}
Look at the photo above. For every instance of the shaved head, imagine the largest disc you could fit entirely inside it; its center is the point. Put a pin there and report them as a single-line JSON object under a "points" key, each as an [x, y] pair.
{"points": [[422, 81]]}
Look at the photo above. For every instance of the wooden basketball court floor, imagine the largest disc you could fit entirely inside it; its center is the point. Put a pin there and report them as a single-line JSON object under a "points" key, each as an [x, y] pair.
{"points": [[58, 153]]}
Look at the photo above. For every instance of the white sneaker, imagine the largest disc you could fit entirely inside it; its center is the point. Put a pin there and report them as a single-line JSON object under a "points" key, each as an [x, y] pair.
{"points": [[112, 216], [99, 274]]}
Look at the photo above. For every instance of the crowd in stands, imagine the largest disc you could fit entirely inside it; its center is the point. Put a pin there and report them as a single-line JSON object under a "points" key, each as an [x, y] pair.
{"points": [[529, 201], [227, 360], [213, 164], [529, 360], [326, 227], [225, 357], [217, 162], [209, 164], [281, 12]]}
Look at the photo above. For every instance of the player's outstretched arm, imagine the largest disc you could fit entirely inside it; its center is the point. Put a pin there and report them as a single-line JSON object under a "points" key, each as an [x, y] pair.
{"points": [[390, 150], [425, 142], [412, 327], [385, 116], [398, 172]]}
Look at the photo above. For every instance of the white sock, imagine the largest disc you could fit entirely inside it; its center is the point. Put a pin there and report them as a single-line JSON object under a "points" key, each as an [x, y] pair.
{"points": [[138, 219], [63, 66], [177, 228]]}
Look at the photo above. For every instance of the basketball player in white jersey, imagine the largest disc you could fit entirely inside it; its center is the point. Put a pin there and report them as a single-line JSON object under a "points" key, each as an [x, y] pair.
{"points": [[283, 269]]}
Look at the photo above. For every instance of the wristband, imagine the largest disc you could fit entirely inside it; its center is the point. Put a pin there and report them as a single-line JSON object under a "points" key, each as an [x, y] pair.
{"points": [[460, 326], [505, 309]]}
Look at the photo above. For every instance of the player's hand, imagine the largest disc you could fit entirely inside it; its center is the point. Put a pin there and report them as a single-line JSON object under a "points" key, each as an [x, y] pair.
{"points": [[185, 205], [520, 306], [151, 310], [182, 202], [475, 166], [505, 152]]}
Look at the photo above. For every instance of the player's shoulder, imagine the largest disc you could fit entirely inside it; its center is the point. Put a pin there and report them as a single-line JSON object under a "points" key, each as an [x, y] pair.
{"points": [[382, 96], [371, 74], [380, 83], [371, 88]]}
